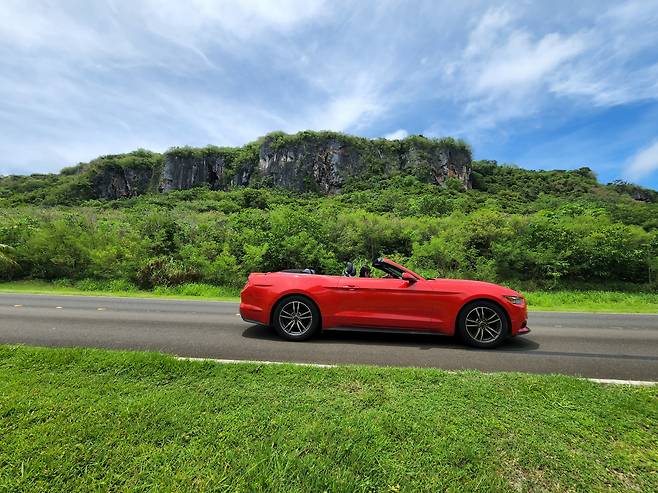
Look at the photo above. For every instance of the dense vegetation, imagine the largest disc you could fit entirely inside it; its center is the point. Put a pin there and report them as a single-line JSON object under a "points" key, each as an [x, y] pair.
{"points": [[544, 228], [86, 181]]}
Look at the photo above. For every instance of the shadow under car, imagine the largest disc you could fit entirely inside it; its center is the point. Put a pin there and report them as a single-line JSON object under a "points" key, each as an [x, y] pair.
{"points": [[391, 338]]}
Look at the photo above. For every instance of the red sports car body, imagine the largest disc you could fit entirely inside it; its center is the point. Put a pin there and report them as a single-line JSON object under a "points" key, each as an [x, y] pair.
{"points": [[300, 304]]}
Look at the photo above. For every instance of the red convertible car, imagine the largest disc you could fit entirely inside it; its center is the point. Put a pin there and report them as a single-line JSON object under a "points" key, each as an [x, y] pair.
{"points": [[300, 303]]}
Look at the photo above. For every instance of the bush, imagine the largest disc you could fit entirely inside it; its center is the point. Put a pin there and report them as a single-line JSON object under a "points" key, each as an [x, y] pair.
{"points": [[545, 229], [90, 285], [165, 271]]}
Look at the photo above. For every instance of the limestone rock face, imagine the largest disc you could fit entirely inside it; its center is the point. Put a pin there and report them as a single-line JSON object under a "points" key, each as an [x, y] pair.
{"points": [[309, 166], [320, 162], [437, 164], [115, 182], [187, 172]]}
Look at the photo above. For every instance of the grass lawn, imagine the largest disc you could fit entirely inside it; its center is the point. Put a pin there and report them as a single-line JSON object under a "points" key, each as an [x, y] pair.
{"points": [[593, 301], [81, 420], [191, 291], [564, 300]]}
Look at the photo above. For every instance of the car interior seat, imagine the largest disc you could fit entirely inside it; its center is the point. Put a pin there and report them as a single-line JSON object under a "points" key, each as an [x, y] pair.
{"points": [[350, 270]]}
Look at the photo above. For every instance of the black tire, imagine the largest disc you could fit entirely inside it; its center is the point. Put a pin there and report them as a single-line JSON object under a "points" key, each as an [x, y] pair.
{"points": [[483, 324], [296, 318]]}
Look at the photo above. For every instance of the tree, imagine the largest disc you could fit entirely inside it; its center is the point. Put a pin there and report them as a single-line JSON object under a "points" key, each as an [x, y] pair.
{"points": [[6, 260]]}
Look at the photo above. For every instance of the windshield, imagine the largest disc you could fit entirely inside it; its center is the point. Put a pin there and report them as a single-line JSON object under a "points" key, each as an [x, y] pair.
{"points": [[388, 269], [392, 269]]}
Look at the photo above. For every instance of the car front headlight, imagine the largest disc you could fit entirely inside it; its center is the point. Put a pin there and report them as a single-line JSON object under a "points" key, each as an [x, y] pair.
{"points": [[515, 300]]}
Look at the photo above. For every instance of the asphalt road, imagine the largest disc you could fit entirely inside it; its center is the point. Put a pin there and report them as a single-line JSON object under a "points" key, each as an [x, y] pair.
{"points": [[589, 345]]}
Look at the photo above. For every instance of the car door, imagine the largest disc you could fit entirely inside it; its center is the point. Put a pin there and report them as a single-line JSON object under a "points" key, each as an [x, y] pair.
{"points": [[384, 303]]}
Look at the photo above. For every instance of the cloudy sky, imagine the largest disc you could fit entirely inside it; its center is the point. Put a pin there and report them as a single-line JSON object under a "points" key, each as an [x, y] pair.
{"points": [[538, 84]]}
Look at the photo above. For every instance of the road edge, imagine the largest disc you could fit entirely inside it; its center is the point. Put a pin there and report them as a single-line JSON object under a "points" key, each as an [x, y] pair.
{"points": [[605, 381]]}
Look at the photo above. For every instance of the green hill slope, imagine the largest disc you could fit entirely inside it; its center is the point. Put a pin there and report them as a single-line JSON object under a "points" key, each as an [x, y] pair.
{"points": [[506, 224]]}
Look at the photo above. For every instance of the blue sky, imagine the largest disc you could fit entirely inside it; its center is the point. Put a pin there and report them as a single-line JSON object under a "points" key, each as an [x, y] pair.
{"points": [[538, 84]]}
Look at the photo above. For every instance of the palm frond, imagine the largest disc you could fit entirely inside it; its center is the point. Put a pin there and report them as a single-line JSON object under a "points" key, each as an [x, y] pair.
{"points": [[5, 259]]}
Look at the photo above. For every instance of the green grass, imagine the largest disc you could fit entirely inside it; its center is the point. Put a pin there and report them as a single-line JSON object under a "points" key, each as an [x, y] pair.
{"points": [[593, 301], [91, 288], [83, 420], [561, 300]]}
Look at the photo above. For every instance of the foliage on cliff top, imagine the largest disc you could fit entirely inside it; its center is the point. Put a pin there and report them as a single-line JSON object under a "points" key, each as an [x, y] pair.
{"points": [[234, 158], [141, 158], [280, 140], [73, 184]]}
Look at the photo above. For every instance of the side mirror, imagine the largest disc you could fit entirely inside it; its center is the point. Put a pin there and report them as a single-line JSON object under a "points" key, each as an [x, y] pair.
{"points": [[408, 277]]}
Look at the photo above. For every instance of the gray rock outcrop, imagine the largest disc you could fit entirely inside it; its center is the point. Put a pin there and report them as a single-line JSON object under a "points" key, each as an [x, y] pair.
{"points": [[321, 162], [114, 182], [181, 173], [325, 163]]}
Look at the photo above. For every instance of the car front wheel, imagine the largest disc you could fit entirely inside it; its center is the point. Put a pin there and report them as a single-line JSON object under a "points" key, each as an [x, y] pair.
{"points": [[483, 324], [296, 318]]}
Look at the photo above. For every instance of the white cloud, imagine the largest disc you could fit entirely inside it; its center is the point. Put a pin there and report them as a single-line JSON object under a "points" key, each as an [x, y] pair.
{"points": [[520, 62], [346, 111], [589, 84], [397, 135], [350, 104], [506, 66], [147, 32], [235, 25], [240, 18], [513, 67], [644, 163], [484, 36], [78, 78]]}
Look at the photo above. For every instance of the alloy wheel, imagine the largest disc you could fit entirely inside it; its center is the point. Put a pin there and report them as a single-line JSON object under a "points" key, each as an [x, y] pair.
{"points": [[484, 324], [295, 318]]}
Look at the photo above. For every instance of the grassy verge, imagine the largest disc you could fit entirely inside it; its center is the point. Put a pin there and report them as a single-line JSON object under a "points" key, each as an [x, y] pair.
{"points": [[184, 291], [593, 301], [81, 420], [563, 300]]}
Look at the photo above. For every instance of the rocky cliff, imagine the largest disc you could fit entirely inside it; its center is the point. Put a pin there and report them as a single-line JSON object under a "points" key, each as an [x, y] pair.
{"points": [[309, 162], [112, 182], [321, 162], [182, 172], [121, 175]]}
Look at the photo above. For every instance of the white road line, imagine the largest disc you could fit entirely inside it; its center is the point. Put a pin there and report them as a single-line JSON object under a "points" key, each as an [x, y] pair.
{"points": [[319, 365], [622, 382], [238, 361]]}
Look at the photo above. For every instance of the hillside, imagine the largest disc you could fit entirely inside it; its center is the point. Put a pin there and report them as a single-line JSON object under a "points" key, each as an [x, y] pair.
{"points": [[271, 206], [320, 162]]}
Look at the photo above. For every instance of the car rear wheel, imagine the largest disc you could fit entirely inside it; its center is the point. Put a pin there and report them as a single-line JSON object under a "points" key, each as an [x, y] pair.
{"points": [[296, 318], [483, 324]]}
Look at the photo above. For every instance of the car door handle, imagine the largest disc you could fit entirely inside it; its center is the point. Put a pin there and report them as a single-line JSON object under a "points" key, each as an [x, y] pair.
{"points": [[351, 287]]}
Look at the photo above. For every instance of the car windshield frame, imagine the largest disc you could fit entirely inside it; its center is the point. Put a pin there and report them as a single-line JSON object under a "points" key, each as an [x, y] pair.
{"points": [[393, 269]]}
